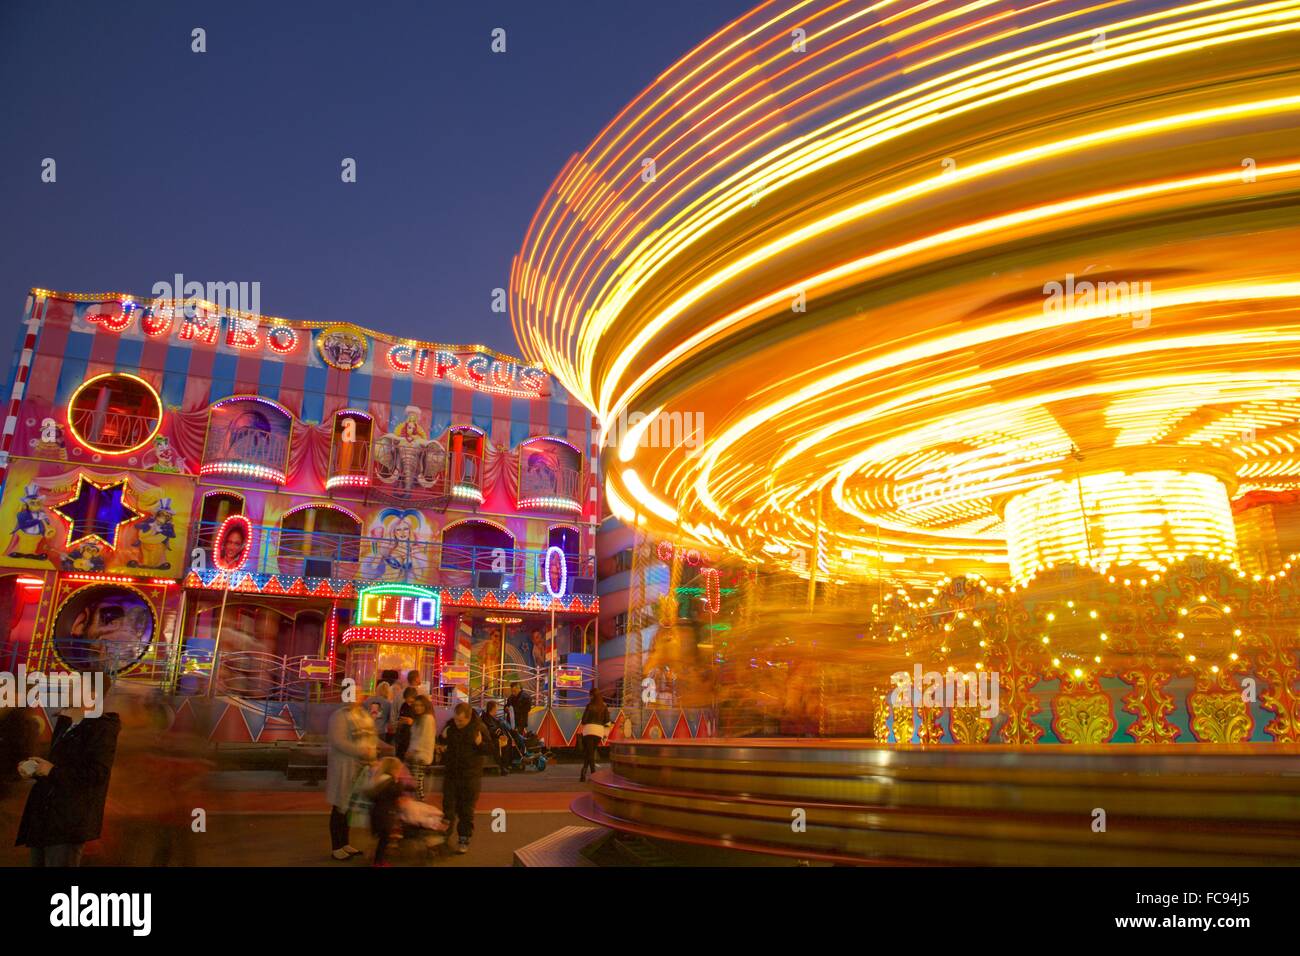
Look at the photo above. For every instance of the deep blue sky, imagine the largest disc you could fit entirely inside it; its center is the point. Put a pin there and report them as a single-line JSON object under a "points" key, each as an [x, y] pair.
{"points": [[225, 166]]}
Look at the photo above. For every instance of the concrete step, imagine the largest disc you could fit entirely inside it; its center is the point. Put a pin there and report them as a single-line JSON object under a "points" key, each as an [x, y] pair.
{"points": [[564, 847]]}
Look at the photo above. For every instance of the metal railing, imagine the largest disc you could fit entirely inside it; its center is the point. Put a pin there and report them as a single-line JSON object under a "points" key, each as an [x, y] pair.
{"points": [[399, 559], [108, 429], [248, 446], [257, 676], [250, 674], [254, 675], [350, 458]]}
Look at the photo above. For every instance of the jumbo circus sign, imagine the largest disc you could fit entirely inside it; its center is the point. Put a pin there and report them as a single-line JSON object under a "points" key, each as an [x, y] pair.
{"points": [[474, 369], [342, 346]]}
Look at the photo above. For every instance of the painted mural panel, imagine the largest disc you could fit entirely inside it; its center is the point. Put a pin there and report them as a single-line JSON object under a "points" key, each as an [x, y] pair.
{"points": [[78, 519], [398, 546]]}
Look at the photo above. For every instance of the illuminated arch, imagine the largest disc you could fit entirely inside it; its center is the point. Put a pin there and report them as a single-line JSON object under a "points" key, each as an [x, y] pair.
{"points": [[103, 379]]}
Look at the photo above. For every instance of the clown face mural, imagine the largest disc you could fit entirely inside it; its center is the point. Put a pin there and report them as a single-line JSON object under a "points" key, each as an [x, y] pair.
{"points": [[103, 628]]}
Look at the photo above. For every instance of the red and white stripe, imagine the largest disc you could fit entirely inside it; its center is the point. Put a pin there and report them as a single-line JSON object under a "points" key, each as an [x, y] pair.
{"points": [[593, 502], [35, 316]]}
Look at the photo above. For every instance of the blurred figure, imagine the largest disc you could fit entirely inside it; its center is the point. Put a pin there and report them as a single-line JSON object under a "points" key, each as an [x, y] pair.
{"points": [[405, 718], [156, 785], [385, 790], [424, 730], [352, 747], [462, 745], [595, 725], [20, 730], [65, 809], [380, 707]]}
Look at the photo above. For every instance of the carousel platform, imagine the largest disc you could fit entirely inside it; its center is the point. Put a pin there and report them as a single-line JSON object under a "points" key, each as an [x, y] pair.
{"points": [[860, 802]]}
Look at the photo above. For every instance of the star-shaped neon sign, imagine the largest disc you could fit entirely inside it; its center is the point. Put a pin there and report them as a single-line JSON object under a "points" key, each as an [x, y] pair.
{"points": [[96, 512]]}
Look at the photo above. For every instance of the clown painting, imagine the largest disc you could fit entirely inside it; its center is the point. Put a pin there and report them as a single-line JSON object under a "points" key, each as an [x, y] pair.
{"points": [[156, 533], [33, 530], [162, 457]]}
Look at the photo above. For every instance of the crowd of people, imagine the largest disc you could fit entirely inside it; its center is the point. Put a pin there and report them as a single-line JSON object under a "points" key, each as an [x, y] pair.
{"points": [[382, 751], [380, 757]]}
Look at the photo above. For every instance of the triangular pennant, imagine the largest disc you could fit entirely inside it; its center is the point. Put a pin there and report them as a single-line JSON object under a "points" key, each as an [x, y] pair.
{"points": [[653, 729], [568, 719], [255, 716], [230, 728], [550, 733], [281, 726]]}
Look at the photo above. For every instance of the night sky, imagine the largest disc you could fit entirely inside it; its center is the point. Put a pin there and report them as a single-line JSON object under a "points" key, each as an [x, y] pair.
{"points": [[225, 166]]}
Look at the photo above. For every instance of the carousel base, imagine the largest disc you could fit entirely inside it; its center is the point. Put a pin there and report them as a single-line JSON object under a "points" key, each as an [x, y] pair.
{"points": [[860, 802]]}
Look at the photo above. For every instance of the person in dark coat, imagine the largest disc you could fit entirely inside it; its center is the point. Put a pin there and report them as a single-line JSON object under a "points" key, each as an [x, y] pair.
{"points": [[462, 744], [65, 809], [593, 726], [519, 704], [405, 719]]}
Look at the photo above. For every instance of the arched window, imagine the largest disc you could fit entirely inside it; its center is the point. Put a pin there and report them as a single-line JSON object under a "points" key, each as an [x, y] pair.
{"points": [[248, 437], [350, 450], [550, 475], [319, 541], [465, 447], [479, 553], [114, 413]]}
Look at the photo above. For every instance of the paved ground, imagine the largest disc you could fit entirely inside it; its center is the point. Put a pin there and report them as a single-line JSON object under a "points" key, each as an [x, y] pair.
{"points": [[258, 818]]}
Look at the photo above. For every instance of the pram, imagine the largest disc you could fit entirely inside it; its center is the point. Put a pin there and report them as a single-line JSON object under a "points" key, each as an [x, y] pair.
{"points": [[526, 750], [422, 825]]}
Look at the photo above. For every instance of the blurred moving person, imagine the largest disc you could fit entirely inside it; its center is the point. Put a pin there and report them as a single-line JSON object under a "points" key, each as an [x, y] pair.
{"points": [[385, 792], [65, 809], [157, 783], [353, 746], [380, 707]]}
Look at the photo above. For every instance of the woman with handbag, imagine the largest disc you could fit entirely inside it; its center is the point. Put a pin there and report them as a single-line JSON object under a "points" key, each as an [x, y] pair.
{"points": [[595, 725], [353, 745]]}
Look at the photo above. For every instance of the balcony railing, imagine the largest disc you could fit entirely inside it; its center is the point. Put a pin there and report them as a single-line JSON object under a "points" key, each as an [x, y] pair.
{"points": [[425, 469], [247, 453], [109, 430], [322, 554], [565, 496], [349, 465]]}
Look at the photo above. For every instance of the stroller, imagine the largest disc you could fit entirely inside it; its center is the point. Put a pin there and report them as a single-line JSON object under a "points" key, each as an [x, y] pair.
{"points": [[423, 826], [526, 750]]}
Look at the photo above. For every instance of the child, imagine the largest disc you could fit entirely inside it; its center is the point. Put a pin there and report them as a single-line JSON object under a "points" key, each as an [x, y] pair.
{"points": [[422, 732], [385, 792]]}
